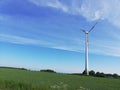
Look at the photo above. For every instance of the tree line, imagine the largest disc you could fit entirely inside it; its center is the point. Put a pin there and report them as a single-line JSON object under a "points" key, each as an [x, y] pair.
{"points": [[101, 74], [91, 73]]}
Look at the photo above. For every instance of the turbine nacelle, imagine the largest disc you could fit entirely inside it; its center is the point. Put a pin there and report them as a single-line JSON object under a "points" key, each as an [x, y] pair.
{"points": [[86, 32]]}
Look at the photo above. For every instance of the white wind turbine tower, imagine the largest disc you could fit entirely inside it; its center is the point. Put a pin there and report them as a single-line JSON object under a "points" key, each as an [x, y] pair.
{"points": [[86, 48]]}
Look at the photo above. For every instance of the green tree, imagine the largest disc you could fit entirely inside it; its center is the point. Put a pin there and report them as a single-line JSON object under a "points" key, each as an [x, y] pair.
{"points": [[84, 72], [48, 70], [97, 74], [115, 75], [102, 74], [92, 73]]}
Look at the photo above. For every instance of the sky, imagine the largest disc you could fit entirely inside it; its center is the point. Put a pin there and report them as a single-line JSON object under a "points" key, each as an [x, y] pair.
{"points": [[46, 34]]}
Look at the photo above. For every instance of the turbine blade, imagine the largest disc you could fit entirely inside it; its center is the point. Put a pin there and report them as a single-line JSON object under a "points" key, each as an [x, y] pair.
{"points": [[83, 30], [93, 27]]}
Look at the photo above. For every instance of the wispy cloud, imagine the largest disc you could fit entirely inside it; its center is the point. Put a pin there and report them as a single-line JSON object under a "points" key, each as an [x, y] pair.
{"points": [[39, 42], [105, 47], [76, 46], [102, 9], [56, 37], [17, 39], [91, 10], [51, 3]]}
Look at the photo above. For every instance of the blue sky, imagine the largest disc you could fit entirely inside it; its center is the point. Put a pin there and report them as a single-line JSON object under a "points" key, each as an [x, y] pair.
{"points": [[46, 34]]}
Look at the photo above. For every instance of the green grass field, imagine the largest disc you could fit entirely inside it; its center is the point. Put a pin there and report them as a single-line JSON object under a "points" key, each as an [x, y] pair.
{"points": [[15, 79]]}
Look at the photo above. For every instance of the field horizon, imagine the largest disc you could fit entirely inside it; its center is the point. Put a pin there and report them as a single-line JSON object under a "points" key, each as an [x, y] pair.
{"points": [[16, 79], [22, 68]]}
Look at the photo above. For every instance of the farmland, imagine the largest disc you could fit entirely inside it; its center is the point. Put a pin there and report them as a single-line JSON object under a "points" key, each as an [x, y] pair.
{"points": [[16, 79]]}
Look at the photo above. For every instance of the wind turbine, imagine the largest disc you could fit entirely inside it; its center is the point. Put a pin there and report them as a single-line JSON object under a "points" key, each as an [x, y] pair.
{"points": [[86, 48]]}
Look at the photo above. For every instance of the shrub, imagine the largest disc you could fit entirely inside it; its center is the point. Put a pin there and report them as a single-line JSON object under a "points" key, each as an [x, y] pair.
{"points": [[92, 73], [115, 75], [48, 70]]}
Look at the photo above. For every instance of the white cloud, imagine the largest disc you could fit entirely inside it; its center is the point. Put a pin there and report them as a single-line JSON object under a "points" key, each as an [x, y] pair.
{"points": [[102, 9], [58, 5], [105, 49], [92, 10], [99, 9], [19, 39], [50, 3], [39, 42]]}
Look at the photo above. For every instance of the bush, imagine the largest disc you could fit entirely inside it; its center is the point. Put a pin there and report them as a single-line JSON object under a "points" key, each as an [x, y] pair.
{"points": [[98, 74], [84, 73], [48, 70], [92, 73], [115, 75]]}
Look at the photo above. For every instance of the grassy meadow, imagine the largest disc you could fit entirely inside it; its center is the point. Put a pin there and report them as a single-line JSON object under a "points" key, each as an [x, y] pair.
{"points": [[15, 79]]}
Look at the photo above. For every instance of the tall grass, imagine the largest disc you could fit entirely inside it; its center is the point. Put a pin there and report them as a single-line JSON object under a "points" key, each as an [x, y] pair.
{"points": [[12, 85], [14, 79]]}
